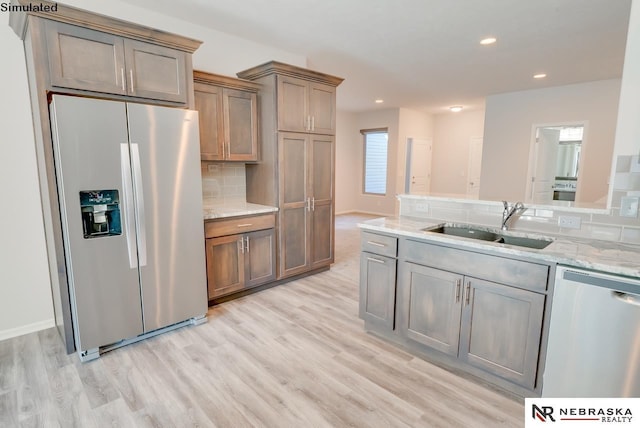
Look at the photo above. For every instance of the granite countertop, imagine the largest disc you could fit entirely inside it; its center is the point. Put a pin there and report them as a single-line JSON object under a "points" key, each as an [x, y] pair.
{"points": [[604, 256], [234, 208]]}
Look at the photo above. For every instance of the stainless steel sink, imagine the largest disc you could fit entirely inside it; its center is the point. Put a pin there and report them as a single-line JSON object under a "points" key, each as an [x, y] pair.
{"points": [[485, 234]]}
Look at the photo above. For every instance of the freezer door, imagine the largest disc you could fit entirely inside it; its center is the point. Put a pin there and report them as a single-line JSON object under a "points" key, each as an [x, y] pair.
{"points": [[165, 155], [91, 154]]}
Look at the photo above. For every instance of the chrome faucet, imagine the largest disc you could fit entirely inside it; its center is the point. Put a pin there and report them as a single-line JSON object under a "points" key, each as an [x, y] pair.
{"points": [[509, 211]]}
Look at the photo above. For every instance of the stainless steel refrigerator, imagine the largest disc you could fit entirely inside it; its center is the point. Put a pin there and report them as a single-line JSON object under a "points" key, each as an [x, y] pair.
{"points": [[129, 185]]}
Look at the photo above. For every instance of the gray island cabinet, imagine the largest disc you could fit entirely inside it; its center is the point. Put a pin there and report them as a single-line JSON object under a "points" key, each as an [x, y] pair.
{"points": [[475, 311]]}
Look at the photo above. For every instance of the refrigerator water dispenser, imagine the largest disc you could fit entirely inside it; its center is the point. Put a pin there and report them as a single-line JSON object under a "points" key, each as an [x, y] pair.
{"points": [[100, 213]]}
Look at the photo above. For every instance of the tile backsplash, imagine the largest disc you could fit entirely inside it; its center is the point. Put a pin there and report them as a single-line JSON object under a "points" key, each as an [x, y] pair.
{"points": [[598, 224], [223, 181]]}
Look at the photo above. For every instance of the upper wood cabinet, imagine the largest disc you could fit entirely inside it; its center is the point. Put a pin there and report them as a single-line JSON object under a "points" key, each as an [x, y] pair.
{"points": [[80, 58], [305, 106], [78, 52], [228, 117], [306, 99]]}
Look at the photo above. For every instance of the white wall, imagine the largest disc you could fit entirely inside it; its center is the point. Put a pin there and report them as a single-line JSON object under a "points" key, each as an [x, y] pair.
{"points": [[452, 134], [507, 134], [25, 295], [628, 126], [348, 156], [375, 204]]}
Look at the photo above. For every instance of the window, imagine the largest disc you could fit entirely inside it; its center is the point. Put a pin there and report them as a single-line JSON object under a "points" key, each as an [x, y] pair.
{"points": [[376, 142]]}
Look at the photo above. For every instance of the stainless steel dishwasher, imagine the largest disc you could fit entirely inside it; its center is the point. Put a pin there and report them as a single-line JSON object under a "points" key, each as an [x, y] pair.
{"points": [[594, 336]]}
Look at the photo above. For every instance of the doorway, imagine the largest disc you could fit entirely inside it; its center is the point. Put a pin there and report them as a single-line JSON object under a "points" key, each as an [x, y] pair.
{"points": [[418, 166]]}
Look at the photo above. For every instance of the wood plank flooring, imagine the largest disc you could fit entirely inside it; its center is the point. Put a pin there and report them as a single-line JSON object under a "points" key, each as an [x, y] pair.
{"points": [[292, 356]]}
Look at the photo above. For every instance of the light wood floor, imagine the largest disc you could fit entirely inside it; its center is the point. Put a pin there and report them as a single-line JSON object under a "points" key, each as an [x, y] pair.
{"points": [[292, 356]]}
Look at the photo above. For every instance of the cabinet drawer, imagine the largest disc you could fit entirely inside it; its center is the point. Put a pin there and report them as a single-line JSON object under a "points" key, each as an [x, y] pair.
{"points": [[517, 273], [238, 225], [380, 244]]}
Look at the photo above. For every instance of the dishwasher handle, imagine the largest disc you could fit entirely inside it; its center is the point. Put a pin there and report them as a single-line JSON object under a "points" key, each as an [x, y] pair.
{"points": [[632, 299], [611, 282]]}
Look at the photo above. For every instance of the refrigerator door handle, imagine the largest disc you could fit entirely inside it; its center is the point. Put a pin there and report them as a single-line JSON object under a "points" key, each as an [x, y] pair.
{"points": [[127, 194], [140, 214]]}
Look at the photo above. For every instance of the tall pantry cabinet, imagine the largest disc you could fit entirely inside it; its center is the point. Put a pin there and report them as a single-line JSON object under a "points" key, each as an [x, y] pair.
{"points": [[297, 109]]}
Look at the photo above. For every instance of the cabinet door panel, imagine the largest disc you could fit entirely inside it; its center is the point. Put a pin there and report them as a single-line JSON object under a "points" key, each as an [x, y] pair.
{"points": [[377, 289], [322, 234], [208, 102], [294, 243], [225, 265], [85, 59], [322, 185], [501, 330], [155, 71], [431, 307], [241, 129], [322, 102], [260, 257], [293, 112], [293, 168]]}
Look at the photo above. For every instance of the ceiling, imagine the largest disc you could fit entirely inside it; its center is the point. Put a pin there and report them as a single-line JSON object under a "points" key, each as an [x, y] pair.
{"points": [[425, 54]]}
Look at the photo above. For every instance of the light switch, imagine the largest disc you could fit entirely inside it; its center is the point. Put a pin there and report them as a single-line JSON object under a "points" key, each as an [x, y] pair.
{"points": [[629, 206]]}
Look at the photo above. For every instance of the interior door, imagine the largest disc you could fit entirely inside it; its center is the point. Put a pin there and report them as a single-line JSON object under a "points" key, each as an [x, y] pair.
{"points": [[544, 169], [91, 154], [419, 172], [165, 155], [474, 167], [294, 203]]}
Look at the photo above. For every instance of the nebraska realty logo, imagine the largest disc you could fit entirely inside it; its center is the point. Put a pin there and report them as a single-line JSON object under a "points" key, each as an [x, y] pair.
{"points": [[586, 411], [29, 7]]}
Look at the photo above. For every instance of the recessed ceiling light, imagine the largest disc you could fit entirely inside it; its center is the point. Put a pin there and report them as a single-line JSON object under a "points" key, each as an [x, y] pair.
{"points": [[539, 76], [488, 41], [379, 101], [455, 109]]}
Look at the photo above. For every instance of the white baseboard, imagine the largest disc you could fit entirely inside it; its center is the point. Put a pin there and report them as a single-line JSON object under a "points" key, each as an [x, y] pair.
{"points": [[26, 329]]}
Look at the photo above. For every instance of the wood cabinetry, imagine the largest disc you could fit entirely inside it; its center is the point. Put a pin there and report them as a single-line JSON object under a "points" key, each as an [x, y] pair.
{"points": [[494, 327], [481, 312], [241, 253], [306, 201], [228, 117], [297, 161], [305, 106], [378, 280], [86, 59]]}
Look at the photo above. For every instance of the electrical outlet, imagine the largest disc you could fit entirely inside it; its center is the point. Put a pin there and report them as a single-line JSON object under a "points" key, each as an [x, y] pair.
{"points": [[569, 222], [422, 208], [629, 206]]}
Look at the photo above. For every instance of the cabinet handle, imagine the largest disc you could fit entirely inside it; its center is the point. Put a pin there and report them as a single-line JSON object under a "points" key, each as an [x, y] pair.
{"points": [[228, 150], [376, 244], [313, 123], [122, 78], [313, 203], [458, 285], [247, 239], [241, 244], [308, 204], [466, 299], [375, 260], [245, 225], [131, 77]]}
